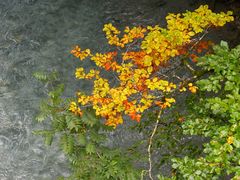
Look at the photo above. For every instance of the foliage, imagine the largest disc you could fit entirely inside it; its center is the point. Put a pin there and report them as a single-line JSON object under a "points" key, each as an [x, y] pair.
{"points": [[169, 140], [139, 86], [216, 116], [136, 85], [82, 138]]}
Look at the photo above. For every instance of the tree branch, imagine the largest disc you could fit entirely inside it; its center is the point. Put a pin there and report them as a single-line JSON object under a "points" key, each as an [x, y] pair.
{"points": [[150, 144]]}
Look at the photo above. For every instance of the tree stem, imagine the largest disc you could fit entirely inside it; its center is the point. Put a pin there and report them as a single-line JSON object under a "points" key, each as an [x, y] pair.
{"points": [[150, 144]]}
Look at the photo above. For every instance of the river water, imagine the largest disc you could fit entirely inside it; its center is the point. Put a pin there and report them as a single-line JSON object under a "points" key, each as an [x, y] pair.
{"points": [[38, 35]]}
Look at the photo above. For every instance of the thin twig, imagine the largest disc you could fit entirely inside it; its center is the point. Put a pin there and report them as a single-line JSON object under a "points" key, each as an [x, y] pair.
{"points": [[200, 38], [189, 67], [150, 144], [142, 174], [100, 157]]}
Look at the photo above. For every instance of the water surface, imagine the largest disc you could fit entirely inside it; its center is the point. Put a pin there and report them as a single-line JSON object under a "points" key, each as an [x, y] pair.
{"points": [[38, 35]]}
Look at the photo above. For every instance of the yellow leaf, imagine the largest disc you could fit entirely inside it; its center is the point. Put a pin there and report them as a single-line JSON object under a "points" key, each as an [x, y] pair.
{"points": [[155, 79], [150, 69], [147, 60], [157, 62], [191, 33]]}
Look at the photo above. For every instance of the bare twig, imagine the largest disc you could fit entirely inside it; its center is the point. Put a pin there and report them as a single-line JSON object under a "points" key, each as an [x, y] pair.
{"points": [[200, 38], [100, 157], [189, 67], [150, 144], [142, 174]]}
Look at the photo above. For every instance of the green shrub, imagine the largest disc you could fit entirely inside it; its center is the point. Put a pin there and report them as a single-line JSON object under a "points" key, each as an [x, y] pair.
{"points": [[82, 138], [215, 115]]}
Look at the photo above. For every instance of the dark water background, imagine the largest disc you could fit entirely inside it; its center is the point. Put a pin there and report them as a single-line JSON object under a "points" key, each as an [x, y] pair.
{"points": [[38, 35]]}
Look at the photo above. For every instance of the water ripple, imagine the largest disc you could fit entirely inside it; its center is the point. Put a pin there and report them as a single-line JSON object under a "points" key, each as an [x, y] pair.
{"points": [[38, 35]]}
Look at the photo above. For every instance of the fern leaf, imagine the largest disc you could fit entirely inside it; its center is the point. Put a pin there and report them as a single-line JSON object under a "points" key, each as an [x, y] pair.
{"points": [[48, 139], [90, 148], [41, 76], [67, 143], [81, 139], [41, 117]]}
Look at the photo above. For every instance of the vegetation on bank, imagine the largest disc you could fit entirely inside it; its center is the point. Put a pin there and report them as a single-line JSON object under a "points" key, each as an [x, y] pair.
{"points": [[140, 80]]}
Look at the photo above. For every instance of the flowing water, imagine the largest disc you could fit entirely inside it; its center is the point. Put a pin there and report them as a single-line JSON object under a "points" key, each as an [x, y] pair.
{"points": [[38, 35]]}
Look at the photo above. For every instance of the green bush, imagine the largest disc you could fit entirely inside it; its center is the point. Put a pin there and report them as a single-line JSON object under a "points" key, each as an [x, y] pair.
{"points": [[215, 115], [82, 138]]}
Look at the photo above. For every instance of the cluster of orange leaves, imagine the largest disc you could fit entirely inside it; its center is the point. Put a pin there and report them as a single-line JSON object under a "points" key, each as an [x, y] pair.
{"points": [[139, 85], [197, 49]]}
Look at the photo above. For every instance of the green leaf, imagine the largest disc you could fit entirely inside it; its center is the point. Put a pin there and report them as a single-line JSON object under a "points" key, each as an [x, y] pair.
{"points": [[41, 117], [90, 148], [236, 143], [81, 138], [57, 91], [175, 165], [89, 118], [41, 76], [73, 122], [198, 172], [48, 139], [224, 44], [67, 143], [229, 85]]}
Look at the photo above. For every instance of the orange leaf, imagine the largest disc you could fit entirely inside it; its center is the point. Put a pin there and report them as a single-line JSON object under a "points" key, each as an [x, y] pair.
{"points": [[194, 57], [135, 116], [158, 103], [107, 66]]}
